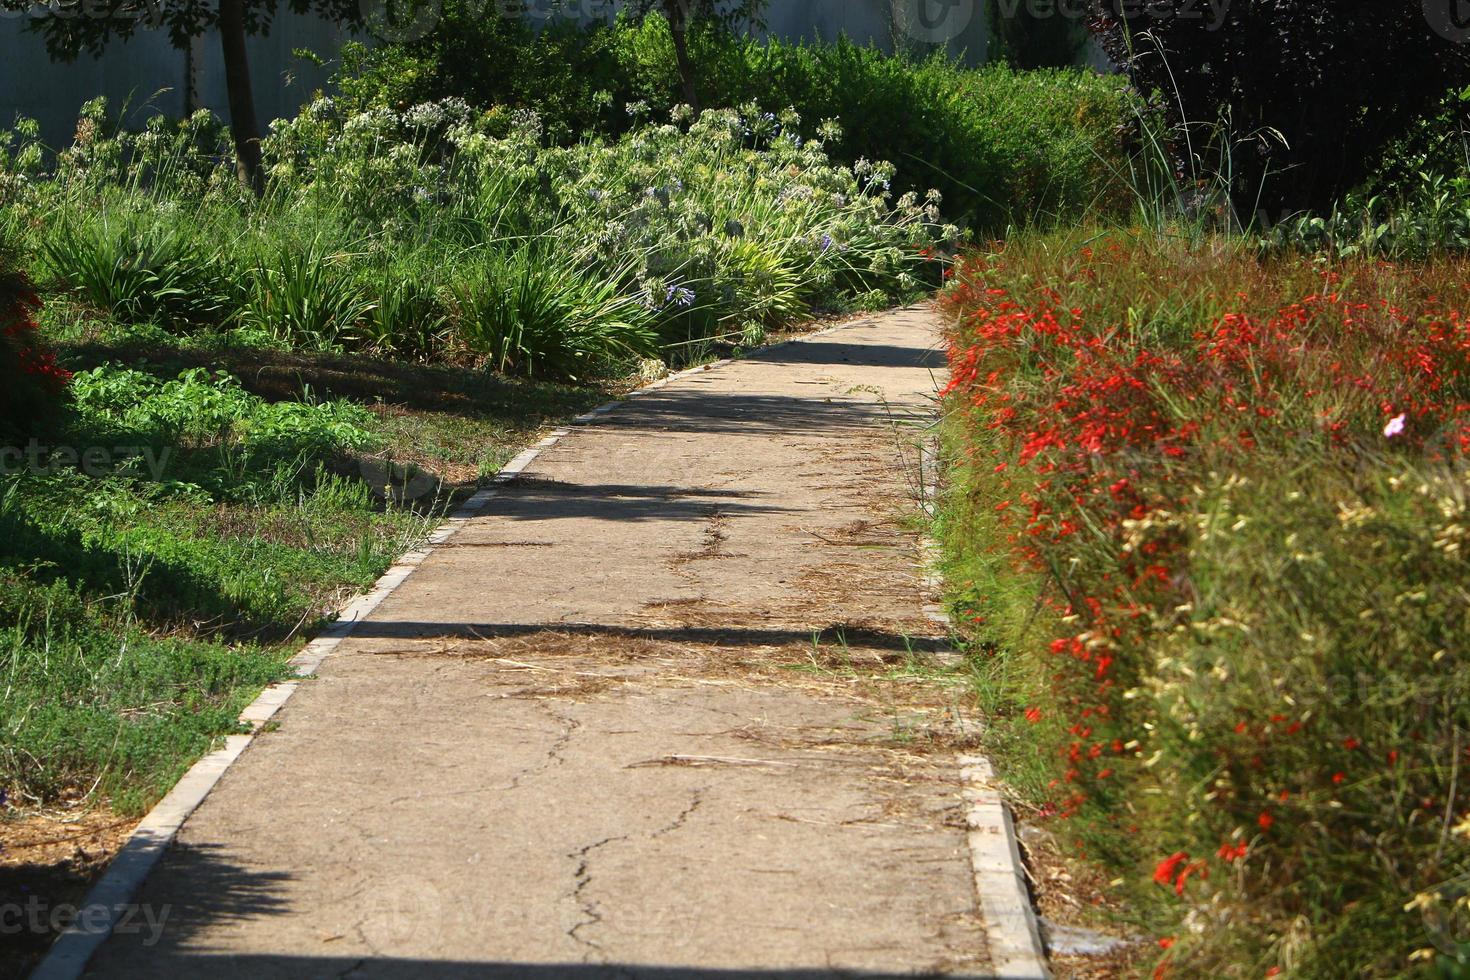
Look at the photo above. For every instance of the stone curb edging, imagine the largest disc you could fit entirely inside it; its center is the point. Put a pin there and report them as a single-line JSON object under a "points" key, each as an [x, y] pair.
{"points": [[115, 890], [1014, 935], [1012, 929]]}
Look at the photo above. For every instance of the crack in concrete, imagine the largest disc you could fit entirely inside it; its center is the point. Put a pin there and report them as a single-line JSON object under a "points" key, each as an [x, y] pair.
{"points": [[582, 876], [553, 755], [443, 796], [552, 759], [362, 937], [591, 911], [696, 800], [351, 969]]}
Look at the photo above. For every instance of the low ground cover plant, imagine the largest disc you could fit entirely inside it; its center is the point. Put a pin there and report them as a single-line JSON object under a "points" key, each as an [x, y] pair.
{"points": [[1206, 531], [159, 539]]}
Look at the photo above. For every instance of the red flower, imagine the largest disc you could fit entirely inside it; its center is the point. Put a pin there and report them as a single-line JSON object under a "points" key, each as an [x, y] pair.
{"points": [[1167, 868], [1232, 852], [1196, 867], [1265, 820]]}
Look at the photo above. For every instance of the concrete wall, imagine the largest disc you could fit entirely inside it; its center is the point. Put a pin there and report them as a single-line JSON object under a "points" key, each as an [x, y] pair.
{"points": [[148, 74], [916, 25]]}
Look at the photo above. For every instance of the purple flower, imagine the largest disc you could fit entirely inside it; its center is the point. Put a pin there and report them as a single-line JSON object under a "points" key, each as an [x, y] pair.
{"points": [[826, 242], [1394, 427], [679, 296]]}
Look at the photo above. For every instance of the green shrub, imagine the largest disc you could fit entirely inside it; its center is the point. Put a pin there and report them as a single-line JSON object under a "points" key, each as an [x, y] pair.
{"points": [[1027, 40], [305, 296], [202, 408], [531, 314], [1002, 146], [139, 268]]}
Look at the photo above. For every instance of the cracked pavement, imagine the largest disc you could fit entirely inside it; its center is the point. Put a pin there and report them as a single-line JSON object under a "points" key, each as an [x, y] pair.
{"points": [[686, 735]]}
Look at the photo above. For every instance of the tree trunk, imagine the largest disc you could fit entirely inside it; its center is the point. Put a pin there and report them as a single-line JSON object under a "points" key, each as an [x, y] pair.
{"points": [[677, 12], [244, 128]]}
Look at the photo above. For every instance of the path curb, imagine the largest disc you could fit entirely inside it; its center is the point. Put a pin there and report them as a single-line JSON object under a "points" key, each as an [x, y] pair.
{"points": [[1012, 929], [1016, 950]]}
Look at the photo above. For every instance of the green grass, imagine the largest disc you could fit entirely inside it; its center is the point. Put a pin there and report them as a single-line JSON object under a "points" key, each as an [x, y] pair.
{"points": [[141, 610], [95, 704]]}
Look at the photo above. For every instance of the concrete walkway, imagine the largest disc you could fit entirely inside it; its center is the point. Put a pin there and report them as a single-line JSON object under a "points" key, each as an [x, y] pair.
{"points": [[657, 712]]}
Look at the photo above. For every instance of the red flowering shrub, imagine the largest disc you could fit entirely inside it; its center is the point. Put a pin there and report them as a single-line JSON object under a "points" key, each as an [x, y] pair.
{"points": [[1211, 515], [30, 378]]}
